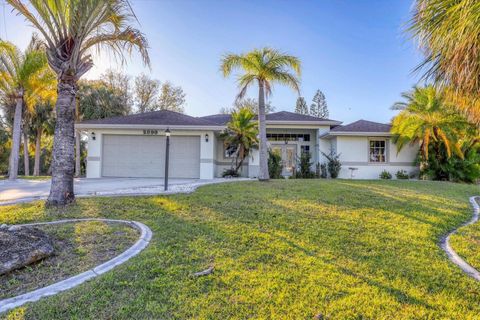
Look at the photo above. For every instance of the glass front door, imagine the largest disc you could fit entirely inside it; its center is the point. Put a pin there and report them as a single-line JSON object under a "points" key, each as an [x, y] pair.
{"points": [[288, 153]]}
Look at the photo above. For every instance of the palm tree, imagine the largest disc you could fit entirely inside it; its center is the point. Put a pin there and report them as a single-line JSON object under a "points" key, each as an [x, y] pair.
{"points": [[70, 30], [448, 32], [264, 67], [20, 81], [241, 133], [425, 118], [42, 119]]}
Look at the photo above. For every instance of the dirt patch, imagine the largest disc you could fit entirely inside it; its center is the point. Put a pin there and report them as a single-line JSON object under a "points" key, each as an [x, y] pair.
{"points": [[79, 246]]}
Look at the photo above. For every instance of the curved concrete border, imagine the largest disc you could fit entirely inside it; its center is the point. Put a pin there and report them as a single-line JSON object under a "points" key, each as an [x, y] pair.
{"points": [[452, 255], [142, 242]]}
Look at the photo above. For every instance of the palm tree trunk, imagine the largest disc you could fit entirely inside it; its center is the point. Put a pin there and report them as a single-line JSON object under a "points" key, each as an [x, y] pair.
{"points": [[26, 159], [16, 134], [263, 157], [38, 151], [63, 155], [77, 154]]}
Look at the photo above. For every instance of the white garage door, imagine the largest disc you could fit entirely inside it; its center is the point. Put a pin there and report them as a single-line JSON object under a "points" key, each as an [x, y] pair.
{"points": [[144, 156]]}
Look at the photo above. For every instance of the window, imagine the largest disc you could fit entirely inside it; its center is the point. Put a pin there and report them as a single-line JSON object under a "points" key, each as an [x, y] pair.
{"points": [[288, 137], [230, 151], [378, 151], [305, 149]]}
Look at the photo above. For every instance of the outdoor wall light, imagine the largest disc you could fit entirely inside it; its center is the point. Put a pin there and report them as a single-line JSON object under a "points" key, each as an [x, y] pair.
{"points": [[93, 136], [206, 137]]}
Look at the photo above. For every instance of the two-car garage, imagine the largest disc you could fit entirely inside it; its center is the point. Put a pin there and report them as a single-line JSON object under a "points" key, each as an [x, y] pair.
{"points": [[144, 156]]}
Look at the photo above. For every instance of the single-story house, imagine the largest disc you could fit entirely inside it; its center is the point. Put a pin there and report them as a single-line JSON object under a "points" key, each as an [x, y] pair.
{"points": [[134, 145]]}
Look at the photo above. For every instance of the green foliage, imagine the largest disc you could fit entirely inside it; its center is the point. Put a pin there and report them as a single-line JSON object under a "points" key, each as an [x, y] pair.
{"points": [[447, 32], [171, 98], [4, 148], [402, 175], [301, 106], [385, 175], [248, 103], [319, 107], [230, 173], [98, 100], [425, 118], [304, 170], [274, 165], [241, 133], [440, 167], [323, 171], [333, 164]]}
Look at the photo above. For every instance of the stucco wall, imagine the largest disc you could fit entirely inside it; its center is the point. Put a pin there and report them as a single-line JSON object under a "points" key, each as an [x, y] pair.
{"points": [[354, 153]]}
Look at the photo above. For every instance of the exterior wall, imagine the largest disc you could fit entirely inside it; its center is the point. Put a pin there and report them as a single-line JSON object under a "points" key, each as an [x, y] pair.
{"points": [[354, 153], [94, 149], [222, 163]]}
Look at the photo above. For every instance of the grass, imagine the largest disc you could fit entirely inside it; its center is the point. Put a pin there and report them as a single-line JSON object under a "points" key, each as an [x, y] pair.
{"points": [[40, 178], [291, 249], [466, 242], [78, 247]]}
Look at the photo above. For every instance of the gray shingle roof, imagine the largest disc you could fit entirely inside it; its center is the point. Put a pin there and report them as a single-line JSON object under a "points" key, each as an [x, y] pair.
{"points": [[222, 119], [162, 117], [363, 126]]}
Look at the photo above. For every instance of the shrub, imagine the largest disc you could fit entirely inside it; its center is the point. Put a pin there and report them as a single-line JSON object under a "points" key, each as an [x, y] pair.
{"points": [[385, 175], [323, 171], [402, 175], [230, 173], [274, 165], [333, 164], [304, 171]]}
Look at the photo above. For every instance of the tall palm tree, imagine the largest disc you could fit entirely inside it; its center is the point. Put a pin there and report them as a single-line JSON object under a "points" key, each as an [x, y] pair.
{"points": [[425, 118], [448, 32], [264, 67], [19, 75], [70, 30], [241, 133]]}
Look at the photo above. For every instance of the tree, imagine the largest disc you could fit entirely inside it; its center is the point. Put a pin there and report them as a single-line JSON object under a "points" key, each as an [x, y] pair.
{"points": [[264, 67], [171, 98], [447, 32], [97, 100], [241, 133], [42, 119], [70, 29], [119, 84], [248, 103], [301, 106], [425, 118], [146, 91], [21, 78], [319, 106]]}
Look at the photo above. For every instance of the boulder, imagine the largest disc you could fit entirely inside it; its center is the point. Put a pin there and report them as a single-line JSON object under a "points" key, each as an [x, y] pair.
{"points": [[21, 246]]}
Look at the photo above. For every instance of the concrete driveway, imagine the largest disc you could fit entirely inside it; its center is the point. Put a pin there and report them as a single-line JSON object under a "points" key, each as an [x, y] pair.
{"points": [[28, 190]]}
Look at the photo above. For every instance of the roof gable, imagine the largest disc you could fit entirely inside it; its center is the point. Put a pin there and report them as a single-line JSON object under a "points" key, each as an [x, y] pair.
{"points": [[281, 116], [363, 126]]}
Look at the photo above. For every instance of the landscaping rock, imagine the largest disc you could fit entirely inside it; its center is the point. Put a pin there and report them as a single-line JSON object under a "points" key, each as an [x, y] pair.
{"points": [[21, 246]]}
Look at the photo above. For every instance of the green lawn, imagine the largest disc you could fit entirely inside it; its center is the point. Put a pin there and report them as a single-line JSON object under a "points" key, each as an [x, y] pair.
{"points": [[29, 177], [281, 250]]}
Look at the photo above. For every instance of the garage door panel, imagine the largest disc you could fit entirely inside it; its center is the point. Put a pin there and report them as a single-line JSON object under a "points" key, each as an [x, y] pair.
{"points": [[144, 156]]}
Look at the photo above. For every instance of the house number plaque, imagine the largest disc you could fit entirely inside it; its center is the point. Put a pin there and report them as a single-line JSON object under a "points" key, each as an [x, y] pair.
{"points": [[150, 132]]}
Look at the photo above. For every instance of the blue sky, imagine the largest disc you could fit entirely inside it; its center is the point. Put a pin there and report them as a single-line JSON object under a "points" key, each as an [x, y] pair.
{"points": [[354, 51]]}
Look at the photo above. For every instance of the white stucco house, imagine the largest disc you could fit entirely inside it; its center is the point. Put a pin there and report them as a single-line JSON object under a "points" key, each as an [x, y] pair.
{"points": [[134, 145]]}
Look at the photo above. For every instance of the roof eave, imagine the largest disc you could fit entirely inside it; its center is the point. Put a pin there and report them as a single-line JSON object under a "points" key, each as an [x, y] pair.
{"points": [[357, 134], [147, 126]]}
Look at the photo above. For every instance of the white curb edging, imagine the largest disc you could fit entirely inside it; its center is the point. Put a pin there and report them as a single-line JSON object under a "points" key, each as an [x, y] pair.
{"points": [[452, 255], [35, 295]]}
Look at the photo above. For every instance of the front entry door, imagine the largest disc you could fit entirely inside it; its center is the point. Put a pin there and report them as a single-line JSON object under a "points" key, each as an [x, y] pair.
{"points": [[288, 153]]}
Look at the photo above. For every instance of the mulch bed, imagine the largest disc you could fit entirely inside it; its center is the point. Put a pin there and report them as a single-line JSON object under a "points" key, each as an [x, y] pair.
{"points": [[79, 246]]}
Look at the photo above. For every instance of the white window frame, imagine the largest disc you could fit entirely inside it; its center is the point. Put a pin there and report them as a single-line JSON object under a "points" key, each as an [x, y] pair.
{"points": [[385, 154]]}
